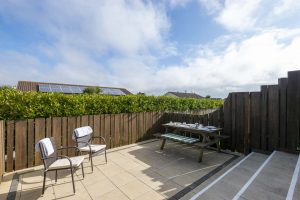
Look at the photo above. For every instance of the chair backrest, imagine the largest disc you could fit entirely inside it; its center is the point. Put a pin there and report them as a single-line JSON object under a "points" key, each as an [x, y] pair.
{"points": [[48, 159], [80, 141]]}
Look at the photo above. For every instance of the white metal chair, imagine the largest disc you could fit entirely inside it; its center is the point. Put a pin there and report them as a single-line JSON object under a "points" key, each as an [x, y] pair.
{"points": [[54, 162], [83, 139]]}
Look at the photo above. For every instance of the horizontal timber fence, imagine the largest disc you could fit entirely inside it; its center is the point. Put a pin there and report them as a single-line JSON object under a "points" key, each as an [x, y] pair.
{"points": [[20, 136], [267, 120]]}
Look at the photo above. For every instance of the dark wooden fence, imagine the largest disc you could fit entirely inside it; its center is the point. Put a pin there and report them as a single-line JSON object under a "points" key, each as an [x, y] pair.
{"points": [[267, 120]]}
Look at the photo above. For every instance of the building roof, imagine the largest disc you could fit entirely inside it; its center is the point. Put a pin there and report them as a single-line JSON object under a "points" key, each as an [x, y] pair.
{"points": [[184, 95], [27, 86]]}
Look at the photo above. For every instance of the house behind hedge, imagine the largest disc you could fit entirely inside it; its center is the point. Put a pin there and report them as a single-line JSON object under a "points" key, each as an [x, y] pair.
{"points": [[27, 86], [183, 95]]}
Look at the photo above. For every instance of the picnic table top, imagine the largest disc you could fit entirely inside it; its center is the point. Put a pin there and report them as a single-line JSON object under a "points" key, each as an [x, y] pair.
{"points": [[194, 128]]}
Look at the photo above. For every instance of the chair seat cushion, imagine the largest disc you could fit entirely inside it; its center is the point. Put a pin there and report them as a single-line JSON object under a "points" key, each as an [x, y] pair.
{"points": [[64, 162], [94, 147]]}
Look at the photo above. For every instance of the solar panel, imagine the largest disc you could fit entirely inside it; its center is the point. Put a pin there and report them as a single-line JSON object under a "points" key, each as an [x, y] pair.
{"points": [[55, 88], [44, 88], [66, 89], [112, 91], [75, 89]]}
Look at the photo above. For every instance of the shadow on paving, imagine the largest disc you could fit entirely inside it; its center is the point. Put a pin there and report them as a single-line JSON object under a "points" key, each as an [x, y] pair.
{"points": [[176, 169]]}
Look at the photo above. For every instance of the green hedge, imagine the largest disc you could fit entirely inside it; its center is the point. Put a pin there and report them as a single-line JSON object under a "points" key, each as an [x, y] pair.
{"points": [[24, 105]]}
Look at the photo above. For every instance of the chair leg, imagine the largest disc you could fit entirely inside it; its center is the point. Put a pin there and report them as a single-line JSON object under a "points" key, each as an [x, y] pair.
{"points": [[200, 155], [105, 156], [44, 182], [92, 162], [72, 174], [55, 176], [82, 170]]}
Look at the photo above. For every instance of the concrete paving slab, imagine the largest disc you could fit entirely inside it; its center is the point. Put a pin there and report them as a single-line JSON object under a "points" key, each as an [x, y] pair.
{"points": [[274, 180]]}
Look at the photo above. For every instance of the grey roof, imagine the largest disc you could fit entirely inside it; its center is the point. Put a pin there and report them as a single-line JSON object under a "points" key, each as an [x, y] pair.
{"points": [[27, 86], [185, 95]]}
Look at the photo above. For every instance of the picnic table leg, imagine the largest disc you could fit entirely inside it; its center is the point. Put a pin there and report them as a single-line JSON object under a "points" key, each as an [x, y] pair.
{"points": [[163, 144], [218, 146], [200, 155]]}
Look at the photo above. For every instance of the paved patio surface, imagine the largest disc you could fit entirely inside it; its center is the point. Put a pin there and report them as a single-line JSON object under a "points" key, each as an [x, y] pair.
{"points": [[138, 171]]}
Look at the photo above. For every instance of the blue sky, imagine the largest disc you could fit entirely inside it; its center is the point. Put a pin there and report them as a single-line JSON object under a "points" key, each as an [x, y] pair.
{"points": [[211, 47]]}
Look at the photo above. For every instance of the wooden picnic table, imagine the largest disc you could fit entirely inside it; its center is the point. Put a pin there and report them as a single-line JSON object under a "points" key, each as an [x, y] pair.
{"points": [[209, 135]]}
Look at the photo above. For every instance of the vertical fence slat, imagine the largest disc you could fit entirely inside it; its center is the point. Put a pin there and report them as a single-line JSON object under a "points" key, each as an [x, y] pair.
{"points": [[122, 129], [91, 121], [10, 132], [31, 145], [39, 134], [49, 127], [282, 83], [293, 101], [264, 117], [56, 130], [70, 142], [133, 127], [246, 127], [112, 130], [85, 120], [64, 131], [227, 121], [126, 129], [233, 121], [107, 129], [141, 126], [255, 120], [273, 117], [97, 128], [117, 130], [21, 144]]}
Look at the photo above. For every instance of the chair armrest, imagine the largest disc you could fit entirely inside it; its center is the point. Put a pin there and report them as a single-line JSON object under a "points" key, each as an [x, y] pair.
{"points": [[73, 147], [43, 158], [62, 156], [100, 138]]}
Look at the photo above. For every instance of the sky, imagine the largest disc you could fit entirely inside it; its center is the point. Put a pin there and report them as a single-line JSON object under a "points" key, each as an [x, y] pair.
{"points": [[211, 47]]}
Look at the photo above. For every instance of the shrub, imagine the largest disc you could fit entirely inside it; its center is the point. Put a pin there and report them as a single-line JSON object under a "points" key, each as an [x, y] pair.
{"points": [[92, 90], [23, 105]]}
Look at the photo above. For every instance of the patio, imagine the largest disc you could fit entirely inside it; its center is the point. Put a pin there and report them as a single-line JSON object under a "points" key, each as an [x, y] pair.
{"points": [[137, 171]]}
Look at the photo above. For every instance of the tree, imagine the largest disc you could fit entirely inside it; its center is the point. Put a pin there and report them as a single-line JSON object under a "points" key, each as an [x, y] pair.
{"points": [[92, 90], [207, 96], [3, 87]]}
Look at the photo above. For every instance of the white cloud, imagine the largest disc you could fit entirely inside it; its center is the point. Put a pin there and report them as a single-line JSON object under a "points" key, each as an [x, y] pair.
{"points": [[119, 43], [80, 35], [253, 15], [242, 66], [212, 6], [127, 27], [239, 15], [177, 3], [284, 6]]}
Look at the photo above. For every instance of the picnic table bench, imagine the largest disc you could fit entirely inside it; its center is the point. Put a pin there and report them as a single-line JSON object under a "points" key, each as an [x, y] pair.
{"points": [[209, 135]]}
